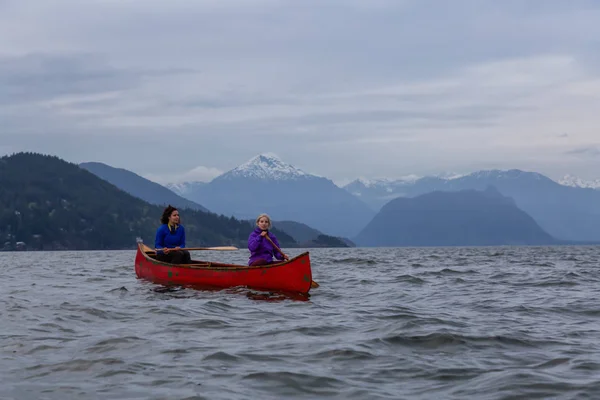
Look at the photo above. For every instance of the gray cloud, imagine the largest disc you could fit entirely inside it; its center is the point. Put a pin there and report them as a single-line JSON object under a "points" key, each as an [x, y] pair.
{"points": [[591, 151], [396, 86], [38, 77]]}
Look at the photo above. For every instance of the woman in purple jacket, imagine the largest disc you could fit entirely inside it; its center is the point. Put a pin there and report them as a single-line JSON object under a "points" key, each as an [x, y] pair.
{"points": [[261, 249]]}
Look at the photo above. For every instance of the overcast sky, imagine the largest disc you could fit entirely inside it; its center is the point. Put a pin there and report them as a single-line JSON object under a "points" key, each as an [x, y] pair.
{"points": [[186, 89]]}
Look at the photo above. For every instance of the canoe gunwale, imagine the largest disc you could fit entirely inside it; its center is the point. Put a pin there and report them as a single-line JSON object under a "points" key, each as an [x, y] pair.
{"points": [[216, 266]]}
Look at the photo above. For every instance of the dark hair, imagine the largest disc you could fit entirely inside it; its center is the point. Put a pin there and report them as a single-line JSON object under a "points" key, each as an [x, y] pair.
{"points": [[164, 219]]}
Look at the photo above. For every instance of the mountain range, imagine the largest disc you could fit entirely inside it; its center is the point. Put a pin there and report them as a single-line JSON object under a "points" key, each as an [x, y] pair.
{"points": [[265, 184], [139, 187], [568, 209], [565, 212], [50, 204], [153, 193], [316, 212]]}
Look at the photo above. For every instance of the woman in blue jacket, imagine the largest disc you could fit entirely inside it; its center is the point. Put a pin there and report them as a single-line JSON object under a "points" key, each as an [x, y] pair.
{"points": [[170, 237], [261, 249]]}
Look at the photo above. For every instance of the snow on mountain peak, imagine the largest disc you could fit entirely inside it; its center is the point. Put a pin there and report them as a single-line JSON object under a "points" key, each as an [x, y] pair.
{"points": [[387, 183], [183, 188], [573, 181], [266, 166], [448, 176], [505, 174], [374, 182], [178, 188]]}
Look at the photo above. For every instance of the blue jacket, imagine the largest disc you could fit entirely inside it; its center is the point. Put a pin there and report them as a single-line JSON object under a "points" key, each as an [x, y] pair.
{"points": [[260, 247], [166, 238]]}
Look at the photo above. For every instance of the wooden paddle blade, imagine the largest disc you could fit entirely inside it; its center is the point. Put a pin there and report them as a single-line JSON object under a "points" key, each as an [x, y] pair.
{"points": [[147, 249], [218, 248], [314, 284]]}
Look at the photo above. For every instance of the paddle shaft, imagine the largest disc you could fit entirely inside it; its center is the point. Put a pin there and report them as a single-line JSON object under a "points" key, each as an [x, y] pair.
{"points": [[274, 245], [312, 283], [219, 248]]}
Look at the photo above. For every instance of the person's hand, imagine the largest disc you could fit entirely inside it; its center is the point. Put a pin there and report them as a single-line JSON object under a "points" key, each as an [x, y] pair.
{"points": [[166, 250], [285, 257], [263, 233]]}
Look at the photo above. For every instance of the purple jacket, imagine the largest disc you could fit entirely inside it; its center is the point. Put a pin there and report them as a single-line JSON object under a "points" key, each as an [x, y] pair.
{"points": [[260, 247]]}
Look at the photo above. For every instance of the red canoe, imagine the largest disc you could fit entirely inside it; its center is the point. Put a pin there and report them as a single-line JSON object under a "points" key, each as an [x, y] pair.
{"points": [[292, 276]]}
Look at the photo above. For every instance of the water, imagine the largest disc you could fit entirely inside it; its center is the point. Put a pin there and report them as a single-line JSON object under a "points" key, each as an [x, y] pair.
{"points": [[453, 323]]}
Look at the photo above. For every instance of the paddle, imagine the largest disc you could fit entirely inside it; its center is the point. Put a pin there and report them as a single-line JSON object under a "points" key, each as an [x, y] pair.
{"points": [[218, 248], [313, 284]]}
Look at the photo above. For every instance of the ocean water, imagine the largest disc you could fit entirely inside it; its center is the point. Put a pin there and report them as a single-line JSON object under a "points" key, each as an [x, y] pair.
{"points": [[391, 323]]}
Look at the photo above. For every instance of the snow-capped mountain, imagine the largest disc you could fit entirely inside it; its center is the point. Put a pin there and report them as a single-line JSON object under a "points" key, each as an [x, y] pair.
{"points": [[383, 188], [183, 188], [386, 189], [266, 184], [502, 174], [266, 167], [565, 212], [389, 185], [573, 181], [377, 192], [386, 183]]}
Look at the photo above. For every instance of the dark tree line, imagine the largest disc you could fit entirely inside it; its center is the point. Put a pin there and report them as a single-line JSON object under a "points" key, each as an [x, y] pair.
{"points": [[51, 204]]}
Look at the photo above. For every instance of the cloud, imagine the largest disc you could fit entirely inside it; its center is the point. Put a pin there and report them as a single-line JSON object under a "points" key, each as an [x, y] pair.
{"points": [[197, 174], [591, 151], [397, 87], [36, 77]]}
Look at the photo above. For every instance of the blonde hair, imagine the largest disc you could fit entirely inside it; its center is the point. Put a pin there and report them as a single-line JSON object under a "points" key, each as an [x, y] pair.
{"points": [[264, 216]]}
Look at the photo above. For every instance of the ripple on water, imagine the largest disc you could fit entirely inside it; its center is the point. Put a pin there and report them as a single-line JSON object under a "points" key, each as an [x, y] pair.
{"points": [[450, 323]]}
